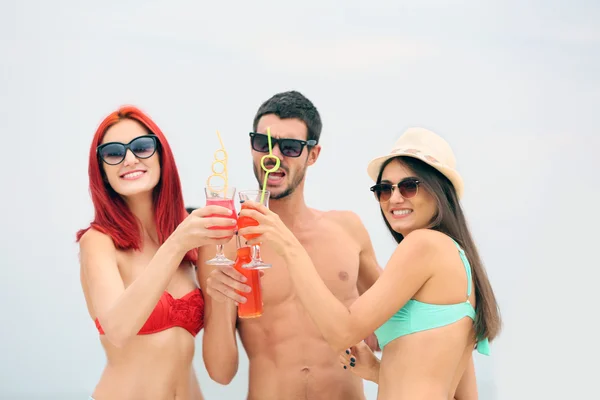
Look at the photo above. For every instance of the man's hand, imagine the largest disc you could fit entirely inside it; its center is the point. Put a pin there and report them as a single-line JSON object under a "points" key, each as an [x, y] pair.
{"points": [[226, 283]]}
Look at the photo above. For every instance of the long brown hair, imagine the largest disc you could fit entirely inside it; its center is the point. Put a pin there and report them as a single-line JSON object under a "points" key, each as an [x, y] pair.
{"points": [[450, 220]]}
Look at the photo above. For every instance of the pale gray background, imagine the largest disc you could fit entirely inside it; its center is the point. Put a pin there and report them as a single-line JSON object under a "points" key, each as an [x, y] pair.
{"points": [[513, 87]]}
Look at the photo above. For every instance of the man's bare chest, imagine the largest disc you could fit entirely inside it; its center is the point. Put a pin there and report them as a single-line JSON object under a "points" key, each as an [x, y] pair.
{"points": [[335, 256]]}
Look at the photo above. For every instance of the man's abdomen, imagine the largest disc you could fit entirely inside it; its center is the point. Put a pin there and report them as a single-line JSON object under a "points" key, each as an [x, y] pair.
{"points": [[289, 359], [306, 383]]}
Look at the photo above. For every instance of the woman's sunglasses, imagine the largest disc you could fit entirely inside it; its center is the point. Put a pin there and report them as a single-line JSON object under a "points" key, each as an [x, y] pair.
{"points": [[288, 147], [408, 187], [113, 153]]}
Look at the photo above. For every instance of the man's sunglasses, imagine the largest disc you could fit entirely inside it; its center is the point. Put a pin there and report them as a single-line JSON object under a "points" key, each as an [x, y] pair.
{"points": [[288, 147], [113, 153], [408, 187]]}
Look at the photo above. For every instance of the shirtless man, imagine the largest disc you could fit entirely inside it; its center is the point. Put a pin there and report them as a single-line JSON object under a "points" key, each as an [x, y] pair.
{"points": [[289, 359]]}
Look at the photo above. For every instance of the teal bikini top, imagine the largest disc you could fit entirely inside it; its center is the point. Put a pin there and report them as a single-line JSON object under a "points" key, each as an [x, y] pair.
{"points": [[417, 316]]}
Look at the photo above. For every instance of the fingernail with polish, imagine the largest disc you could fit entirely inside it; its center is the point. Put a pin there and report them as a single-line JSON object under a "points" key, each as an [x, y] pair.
{"points": [[352, 365], [352, 359], [347, 351], [344, 367]]}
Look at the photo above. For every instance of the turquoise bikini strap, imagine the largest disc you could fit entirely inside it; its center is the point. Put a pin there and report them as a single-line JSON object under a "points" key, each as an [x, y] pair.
{"points": [[467, 265], [483, 345]]}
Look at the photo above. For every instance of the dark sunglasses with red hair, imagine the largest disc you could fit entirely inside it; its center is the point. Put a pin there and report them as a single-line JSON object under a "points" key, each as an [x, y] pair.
{"points": [[113, 153]]}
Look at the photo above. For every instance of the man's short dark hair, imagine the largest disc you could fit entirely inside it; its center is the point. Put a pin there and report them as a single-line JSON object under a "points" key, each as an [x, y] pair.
{"points": [[292, 104]]}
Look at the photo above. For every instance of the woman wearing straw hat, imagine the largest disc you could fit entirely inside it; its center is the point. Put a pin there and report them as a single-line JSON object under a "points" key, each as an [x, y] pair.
{"points": [[432, 305]]}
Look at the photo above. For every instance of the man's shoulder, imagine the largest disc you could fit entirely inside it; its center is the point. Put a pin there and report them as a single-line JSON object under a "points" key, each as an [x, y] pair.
{"points": [[349, 220], [343, 215]]}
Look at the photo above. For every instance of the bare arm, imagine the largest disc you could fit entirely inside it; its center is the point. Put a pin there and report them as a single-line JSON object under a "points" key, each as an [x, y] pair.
{"points": [[467, 387], [123, 311], [408, 269], [369, 269], [219, 344], [411, 265]]}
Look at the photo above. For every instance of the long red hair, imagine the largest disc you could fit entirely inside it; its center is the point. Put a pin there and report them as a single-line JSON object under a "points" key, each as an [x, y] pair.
{"points": [[111, 214]]}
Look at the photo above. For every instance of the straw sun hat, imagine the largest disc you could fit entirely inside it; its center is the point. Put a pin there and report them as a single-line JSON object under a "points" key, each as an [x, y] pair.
{"points": [[426, 146]]}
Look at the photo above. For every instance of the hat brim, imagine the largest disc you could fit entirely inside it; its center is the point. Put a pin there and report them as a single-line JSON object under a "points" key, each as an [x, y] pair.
{"points": [[375, 167]]}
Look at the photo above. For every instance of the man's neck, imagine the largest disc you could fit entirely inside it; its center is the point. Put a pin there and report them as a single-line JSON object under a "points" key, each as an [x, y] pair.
{"points": [[291, 209]]}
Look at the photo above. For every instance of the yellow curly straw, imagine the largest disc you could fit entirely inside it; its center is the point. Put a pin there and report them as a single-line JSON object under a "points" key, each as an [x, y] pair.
{"points": [[223, 174], [267, 170]]}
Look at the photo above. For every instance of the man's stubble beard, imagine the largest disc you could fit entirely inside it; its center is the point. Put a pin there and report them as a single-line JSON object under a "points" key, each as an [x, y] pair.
{"points": [[291, 187]]}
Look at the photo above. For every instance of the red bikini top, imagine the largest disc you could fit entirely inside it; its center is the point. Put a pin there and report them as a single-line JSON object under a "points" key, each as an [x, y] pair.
{"points": [[186, 312]]}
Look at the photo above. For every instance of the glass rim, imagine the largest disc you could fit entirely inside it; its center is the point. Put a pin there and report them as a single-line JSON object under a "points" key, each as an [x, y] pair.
{"points": [[253, 191]]}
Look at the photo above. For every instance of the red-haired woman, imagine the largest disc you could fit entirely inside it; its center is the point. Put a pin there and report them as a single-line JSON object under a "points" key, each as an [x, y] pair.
{"points": [[137, 262]]}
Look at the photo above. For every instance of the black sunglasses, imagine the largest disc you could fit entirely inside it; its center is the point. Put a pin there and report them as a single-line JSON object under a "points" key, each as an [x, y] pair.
{"points": [[288, 147], [113, 153], [408, 188]]}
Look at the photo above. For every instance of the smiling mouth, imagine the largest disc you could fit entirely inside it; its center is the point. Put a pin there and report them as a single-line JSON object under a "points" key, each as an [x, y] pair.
{"points": [[401, 213], [132, 175]]}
